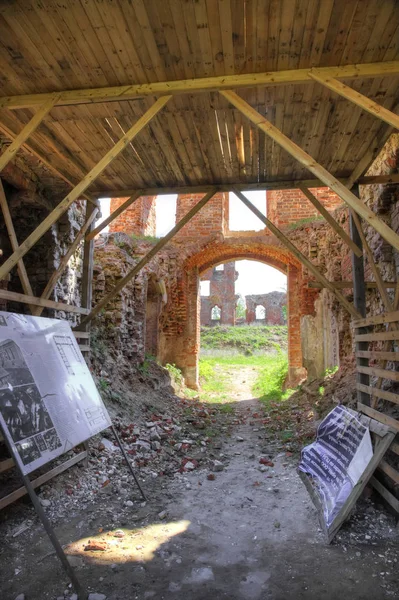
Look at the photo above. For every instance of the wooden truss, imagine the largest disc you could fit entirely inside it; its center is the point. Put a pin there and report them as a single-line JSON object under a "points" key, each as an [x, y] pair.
{"points": [[329, 77]]}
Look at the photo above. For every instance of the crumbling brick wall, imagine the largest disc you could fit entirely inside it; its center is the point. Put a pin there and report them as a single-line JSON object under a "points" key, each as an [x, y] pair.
{"points": [[138, 219], [221, 294], [273, 303]]}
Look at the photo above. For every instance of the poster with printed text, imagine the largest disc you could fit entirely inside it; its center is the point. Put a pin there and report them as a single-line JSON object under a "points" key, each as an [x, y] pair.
{"points": [[337, 459], [48, 400]]}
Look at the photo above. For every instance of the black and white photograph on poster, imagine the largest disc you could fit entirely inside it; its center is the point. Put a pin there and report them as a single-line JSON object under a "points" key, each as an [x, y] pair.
{"points": [[48, 400]]}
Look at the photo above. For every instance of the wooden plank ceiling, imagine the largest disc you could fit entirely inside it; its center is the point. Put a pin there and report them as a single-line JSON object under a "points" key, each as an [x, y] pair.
{"points": [[197, 139]]}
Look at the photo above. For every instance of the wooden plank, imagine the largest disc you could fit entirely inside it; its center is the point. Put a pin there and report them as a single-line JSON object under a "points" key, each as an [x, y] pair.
{"points": [[390, 498], [6, 464], [389, 470], [342, 285], [25, 299], [378, 393], [82, 186], [10, 498], [378, 416], [353, 96], [114, 215], [379, 451], [377, 337], [384, 373], [84, 348], [301, 257], [378, 355], [330, 220], [304, 158], [85, 335], [394, 447], [64, 261], [202, 84], [359, 300], [162, 242], [388, 317], [29, 128], [23, 276], [244, 187]]}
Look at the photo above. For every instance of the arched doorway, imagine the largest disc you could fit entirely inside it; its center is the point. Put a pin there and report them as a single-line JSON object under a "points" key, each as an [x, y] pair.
{"points": [[184, 349]]}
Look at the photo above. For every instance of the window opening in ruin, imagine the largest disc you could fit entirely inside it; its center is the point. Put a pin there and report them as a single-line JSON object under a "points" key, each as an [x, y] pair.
{"points": [[205, 288], [241, 218], [153, 309], [165, 214], [219, 268], [216, 313], [260, 313], [105, 208]]}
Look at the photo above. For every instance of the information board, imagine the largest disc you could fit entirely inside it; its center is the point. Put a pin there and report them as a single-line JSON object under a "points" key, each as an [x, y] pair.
{"points": [[337, 459], [48, 400]]}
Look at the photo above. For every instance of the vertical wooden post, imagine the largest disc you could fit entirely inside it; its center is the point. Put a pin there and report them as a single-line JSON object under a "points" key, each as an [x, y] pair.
{"points": [[87, 275], [359, 300]]}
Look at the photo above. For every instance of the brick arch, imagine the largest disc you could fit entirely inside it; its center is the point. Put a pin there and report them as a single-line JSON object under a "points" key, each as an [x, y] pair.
{"points": [[219, 252]]}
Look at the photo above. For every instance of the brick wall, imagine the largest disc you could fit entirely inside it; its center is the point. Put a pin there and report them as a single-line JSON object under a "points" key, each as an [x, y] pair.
{"points": [[139, 219], [221, 294], [288, 206], [213, 218]]}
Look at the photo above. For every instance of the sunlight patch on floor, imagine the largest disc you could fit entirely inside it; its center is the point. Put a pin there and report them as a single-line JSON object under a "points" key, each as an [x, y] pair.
{"points": [[126, 545]]}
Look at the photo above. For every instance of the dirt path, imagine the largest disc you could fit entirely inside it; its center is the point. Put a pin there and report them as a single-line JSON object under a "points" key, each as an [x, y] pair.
{"points": [[249, 534]]}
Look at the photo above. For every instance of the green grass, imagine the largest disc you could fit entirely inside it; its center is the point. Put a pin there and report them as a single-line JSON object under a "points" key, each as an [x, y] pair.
{"points": [[269, 384], [245, 340]]}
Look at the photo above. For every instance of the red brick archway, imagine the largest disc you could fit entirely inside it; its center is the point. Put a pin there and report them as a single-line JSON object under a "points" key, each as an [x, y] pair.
{"points": [[185, 351]]}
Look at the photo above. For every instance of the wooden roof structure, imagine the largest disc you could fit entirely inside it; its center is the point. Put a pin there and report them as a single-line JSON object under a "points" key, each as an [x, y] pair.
{"points": [[110, 59]]}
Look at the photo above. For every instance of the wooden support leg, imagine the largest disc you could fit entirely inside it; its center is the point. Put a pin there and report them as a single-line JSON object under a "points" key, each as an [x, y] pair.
{"points": [[79, 189], [23, 276], [305, 159]]}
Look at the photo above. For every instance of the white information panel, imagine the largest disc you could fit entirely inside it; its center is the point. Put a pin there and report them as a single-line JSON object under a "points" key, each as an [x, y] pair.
{"points": [[48, 400]]}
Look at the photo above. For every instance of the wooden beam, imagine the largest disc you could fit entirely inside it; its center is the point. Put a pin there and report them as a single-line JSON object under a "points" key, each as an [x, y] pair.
{"points": [[203, 84], [243, 187], [25, 299], [28, 148], [114, 215], [82, 186], [353, 96], [378, 393], [370, 155], [29, 128], [330, 220], [387, 317], [64, 261], [146, 259], [387, 495], [23, 276], [301, 257], [379, 416], [342, 285], [264, 125]]}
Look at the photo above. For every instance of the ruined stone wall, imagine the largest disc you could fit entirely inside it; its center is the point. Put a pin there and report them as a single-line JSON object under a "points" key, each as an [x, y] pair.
{"points": [[213, 217], [273, 303], [285, 207], [28, 209], [221, 294], [138, 219]]}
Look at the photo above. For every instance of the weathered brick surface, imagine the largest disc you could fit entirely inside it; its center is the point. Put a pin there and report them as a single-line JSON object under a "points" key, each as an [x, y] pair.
{"points": [[273, 303], [221, 294], [139, 219]]}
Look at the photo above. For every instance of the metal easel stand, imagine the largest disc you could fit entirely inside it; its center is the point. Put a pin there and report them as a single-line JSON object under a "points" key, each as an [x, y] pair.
{"points": [[125, 456], [46, 523]]}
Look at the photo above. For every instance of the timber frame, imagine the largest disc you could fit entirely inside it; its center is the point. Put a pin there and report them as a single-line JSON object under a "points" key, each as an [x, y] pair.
{"points": [[193, 133]]}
